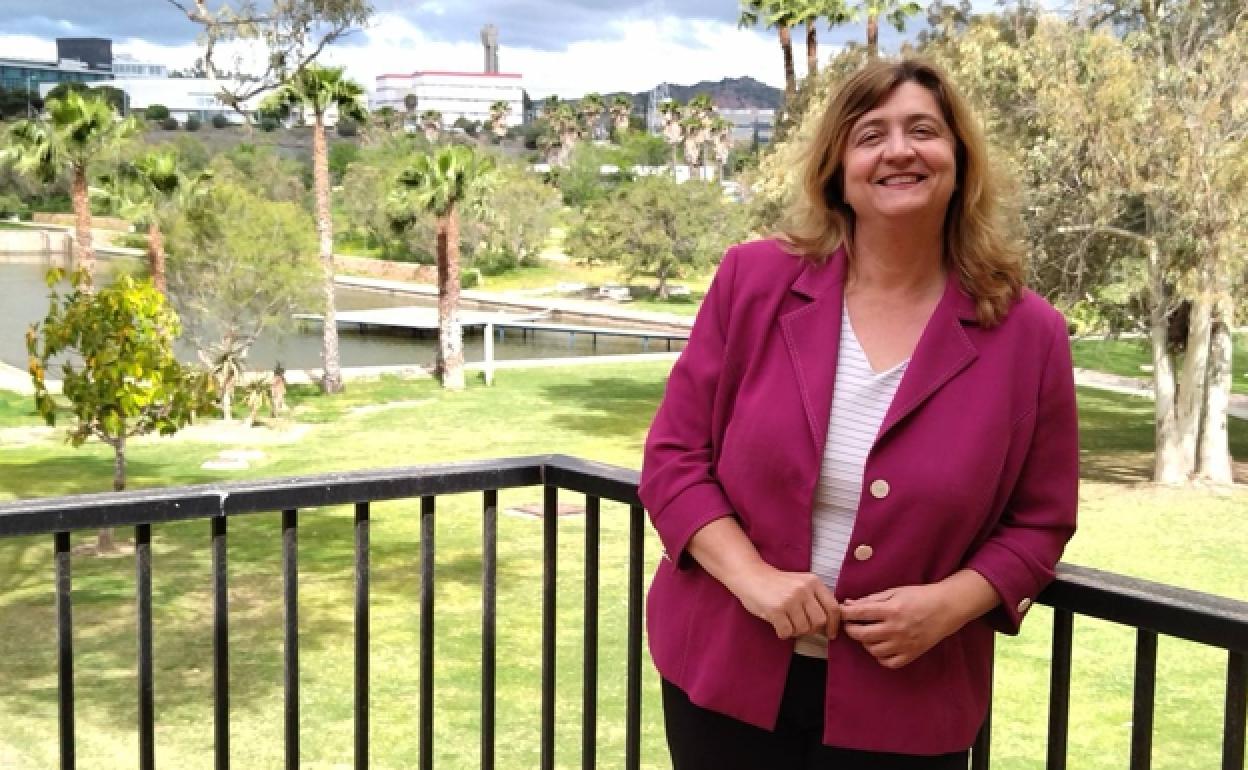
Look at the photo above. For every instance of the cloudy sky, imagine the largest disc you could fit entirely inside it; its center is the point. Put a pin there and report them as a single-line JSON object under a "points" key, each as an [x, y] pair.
{"points": [[567, 47]]}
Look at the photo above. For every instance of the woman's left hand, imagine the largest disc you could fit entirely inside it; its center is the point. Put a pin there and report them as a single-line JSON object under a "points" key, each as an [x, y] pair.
{"points": [[898, 625]]}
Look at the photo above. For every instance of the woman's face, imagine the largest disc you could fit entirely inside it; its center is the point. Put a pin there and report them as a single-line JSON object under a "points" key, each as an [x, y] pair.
{"points": [[900, 162]]}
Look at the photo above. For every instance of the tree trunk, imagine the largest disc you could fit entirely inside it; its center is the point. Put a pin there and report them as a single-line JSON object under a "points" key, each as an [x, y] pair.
{"points": [[1167, 457], [1192, 381], [812, 49], [84, 252], [790, 71], [450, 335], [1213, 461], [104, 540], [661, 290], [156, 255], [331, 382], [873, 36]]}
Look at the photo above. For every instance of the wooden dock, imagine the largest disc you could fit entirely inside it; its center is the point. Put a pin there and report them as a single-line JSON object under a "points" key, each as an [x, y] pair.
{"points": [[414, 318]]}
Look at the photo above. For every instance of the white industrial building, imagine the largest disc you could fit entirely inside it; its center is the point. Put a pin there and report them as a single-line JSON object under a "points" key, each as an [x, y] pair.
{"points": [[183, 96], [127, 67], [454, 94]]}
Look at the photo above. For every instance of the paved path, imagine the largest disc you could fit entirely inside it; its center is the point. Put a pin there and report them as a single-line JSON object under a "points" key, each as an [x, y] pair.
{"points": [[1137, 386]]}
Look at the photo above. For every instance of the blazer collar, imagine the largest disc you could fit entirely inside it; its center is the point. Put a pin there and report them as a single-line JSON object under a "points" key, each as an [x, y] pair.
{"points": [[812, 332]]}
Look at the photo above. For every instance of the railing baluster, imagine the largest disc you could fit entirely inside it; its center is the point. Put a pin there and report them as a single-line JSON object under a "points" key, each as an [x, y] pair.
{"points": [[426, 631], [981, 751], [143, 595], [550, 561], [361, 636], [1059, 689], [1236, 706], [220, 648], [636, 565], [589, 692], [489, 625], [1143, 700], [65, 649], [290, 578]]}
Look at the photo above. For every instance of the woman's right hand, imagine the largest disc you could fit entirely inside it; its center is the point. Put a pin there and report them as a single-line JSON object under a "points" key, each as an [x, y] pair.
{"points": [[794, 603]]}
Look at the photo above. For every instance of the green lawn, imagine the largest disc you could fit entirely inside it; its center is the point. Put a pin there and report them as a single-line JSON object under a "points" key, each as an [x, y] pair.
{"points": [[1194, 538], [1133, 358]]}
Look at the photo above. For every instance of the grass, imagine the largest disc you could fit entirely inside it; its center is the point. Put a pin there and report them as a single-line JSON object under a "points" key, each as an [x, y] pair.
{"points": [[1193, 538], [1129, 357]]}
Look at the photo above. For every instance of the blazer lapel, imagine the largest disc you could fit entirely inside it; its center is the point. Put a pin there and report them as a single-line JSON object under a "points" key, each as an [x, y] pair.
{"points": [[812, 335], [943, 351]]}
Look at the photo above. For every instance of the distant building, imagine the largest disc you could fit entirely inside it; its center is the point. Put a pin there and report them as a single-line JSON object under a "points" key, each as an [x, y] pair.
{"points": [[95, 53], [126, 67], [183, 96], [79, 60], [454, 94], [750, 124]]}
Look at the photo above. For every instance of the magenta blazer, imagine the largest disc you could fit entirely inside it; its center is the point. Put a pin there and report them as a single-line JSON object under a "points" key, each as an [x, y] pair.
{"points": [[975, 465]]}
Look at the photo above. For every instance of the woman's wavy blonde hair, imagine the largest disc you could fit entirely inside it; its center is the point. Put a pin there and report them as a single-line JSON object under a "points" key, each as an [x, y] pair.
{"points": [[988, 263]]}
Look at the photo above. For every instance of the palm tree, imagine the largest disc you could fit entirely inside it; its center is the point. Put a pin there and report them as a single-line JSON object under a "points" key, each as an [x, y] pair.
{"points": [[591, 110], [431, 124], [673, 131], [780, 15], [621, 110], [78, 130], [808, 12], [318, 88], [896, 11], [440, 183], [147, 189], [721, 141], [499, 112], [567, 127]]}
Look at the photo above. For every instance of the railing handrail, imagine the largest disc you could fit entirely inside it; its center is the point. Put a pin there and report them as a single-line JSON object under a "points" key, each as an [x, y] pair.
{"points": [[1218, 621]]}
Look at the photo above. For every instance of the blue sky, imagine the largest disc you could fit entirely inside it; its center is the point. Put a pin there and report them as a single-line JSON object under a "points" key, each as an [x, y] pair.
{"points": [[560, 46]]}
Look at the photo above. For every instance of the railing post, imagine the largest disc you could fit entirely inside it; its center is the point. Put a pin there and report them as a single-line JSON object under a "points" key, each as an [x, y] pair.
{"points": [[1059, 689], [290, 582], [361, 635], [65, 649]]}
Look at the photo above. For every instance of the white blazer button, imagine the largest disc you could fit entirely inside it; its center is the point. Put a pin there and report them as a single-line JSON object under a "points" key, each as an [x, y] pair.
{"points": [[863, 552], [879, 489], [1023, 606]]}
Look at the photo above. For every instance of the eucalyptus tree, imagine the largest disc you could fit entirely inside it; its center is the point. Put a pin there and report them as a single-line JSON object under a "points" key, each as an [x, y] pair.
{"points": [[591, 109], [148, 190], [782, 16], [318, 89], [621, 109], [442, 183], [78, 131]]}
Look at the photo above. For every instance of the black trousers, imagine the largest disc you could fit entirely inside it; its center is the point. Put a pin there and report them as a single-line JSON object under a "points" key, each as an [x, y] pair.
{"points": [[705, 740]]}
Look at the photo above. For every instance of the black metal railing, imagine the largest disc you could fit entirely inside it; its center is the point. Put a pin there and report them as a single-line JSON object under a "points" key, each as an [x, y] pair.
{"points": [[1152, 609]]}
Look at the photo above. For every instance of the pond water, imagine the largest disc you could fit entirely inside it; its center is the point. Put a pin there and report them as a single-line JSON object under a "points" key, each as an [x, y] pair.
{"points": [[24, 300]]}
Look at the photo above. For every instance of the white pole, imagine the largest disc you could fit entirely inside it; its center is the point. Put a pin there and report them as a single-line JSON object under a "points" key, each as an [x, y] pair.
{"points": [[488, 367]]}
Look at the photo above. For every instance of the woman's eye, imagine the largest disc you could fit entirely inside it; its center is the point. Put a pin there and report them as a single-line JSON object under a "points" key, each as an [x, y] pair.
{"points": [[868, 137], [925, 130]]}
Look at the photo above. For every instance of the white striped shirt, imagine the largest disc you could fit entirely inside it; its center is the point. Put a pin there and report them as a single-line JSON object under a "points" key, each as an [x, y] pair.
{"points": [[860, 398]]}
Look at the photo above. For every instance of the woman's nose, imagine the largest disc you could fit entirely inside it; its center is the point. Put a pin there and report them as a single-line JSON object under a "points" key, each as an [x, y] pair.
{"points": [[898, 145]]}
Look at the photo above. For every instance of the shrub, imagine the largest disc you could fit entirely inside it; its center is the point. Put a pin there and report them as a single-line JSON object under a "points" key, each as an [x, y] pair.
{"points": [[471, 278], [169, 124], [193, 123], [268, 124], [348, 128], [156, 112], [12, 206], [220, 121]]}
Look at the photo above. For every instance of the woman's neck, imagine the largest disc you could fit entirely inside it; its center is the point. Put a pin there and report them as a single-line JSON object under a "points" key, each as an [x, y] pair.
{"points": [[896, 259]]}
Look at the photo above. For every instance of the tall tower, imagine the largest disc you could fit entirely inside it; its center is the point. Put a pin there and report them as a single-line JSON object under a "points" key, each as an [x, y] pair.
{"points": [[489, 39]]}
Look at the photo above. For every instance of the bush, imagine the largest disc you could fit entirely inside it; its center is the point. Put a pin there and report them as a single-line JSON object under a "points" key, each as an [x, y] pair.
{"points": [[268, 124], [169, 124], [156, 112], [193, 123], [348, 128], [220, 121], [12, 206], [471, 278]]}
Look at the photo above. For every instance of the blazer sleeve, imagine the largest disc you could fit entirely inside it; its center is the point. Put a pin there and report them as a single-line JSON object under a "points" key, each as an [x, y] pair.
{"points": [[1020, 555], [678, 486]]}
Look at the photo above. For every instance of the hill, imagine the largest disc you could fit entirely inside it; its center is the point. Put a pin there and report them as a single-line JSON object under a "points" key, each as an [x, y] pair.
{"points": [[729, 93]]}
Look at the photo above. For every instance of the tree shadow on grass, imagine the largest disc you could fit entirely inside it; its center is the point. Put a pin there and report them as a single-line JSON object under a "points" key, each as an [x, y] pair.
{"points": [[607, 406]]}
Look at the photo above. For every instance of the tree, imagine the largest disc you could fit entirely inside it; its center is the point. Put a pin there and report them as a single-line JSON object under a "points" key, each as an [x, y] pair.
{"points": [[621, 108], [239, 265], [780, 15], [499, 112], [517, 212], [442, 183], [809, 12], [120, 374], [79, 129], [673, 124], [156, 112], [146, 191], [655, 226], [895, 11], [431, 124], [591, 110], [319, 88], [292, 34]]}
